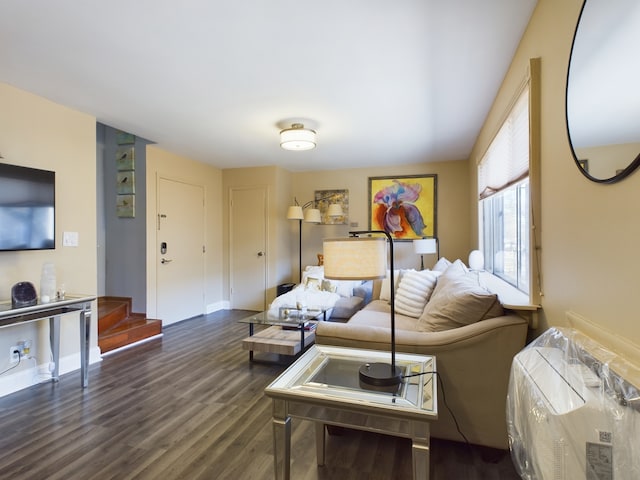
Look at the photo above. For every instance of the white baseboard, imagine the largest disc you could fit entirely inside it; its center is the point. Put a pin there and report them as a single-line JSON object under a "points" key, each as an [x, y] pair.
{"points": [[34, 374], [214, 307]]}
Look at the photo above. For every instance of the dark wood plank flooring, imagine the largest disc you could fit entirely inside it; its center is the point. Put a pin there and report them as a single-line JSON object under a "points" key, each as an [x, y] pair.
{"points": [[189, 405]]}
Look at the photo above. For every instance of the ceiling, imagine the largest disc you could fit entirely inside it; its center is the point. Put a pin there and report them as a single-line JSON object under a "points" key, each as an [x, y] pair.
{"points": [[382, 82]]}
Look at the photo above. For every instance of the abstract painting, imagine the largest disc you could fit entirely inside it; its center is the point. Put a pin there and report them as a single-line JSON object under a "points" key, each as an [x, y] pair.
{"points": [[403, 206]]}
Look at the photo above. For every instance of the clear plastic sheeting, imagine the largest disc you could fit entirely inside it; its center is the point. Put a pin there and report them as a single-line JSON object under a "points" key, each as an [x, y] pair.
{"points": [[572, 411]]}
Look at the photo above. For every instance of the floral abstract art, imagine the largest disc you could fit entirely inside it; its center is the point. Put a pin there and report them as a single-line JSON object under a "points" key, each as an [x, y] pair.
{"points": [[405, 207]]}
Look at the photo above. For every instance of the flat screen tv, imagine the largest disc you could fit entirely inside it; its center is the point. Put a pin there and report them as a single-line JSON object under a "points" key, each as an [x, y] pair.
{"points": [[27, 208]]}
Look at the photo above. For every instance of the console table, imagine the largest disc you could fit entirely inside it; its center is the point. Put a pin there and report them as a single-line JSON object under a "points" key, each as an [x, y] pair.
{"points": [[53, 311]]}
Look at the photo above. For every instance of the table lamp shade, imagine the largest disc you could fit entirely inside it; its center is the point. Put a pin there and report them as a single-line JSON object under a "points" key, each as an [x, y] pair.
{"points": [[425, 245], [355, 258]]}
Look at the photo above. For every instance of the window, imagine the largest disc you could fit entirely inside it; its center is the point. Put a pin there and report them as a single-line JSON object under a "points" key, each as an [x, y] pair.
{"points": [[503, 183]]}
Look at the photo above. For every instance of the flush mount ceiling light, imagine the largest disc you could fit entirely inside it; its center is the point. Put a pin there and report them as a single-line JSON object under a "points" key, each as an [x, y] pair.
{"points": [[297, 138]]}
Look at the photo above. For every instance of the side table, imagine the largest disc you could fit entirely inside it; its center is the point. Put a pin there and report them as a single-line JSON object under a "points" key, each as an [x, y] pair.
{"points": [[323, 386]]}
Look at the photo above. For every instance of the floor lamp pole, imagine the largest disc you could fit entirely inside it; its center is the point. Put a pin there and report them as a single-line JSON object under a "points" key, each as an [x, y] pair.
{"points": [[299, 251]]}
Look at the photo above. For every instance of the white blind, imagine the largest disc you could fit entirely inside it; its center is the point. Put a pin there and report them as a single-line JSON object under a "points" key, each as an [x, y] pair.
{"points": [[507, 159]]}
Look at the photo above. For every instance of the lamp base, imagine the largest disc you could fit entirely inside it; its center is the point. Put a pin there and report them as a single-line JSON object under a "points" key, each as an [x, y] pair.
{"points": [[380, 374]]}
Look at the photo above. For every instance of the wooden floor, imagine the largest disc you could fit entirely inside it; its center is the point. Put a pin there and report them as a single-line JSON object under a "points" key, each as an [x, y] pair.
{"points": [[190, 406]]}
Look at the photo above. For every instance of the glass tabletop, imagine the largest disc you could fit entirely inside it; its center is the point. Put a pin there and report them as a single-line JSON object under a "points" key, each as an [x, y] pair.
{"points": [[326, 372], [291, 318]]}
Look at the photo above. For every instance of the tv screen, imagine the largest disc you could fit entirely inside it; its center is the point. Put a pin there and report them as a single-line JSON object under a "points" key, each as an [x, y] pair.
{"points": [[27, 208]]}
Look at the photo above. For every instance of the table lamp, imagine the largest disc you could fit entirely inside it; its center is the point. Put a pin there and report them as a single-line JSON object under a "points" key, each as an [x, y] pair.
{"points": [[365, 258], [425, 246]]}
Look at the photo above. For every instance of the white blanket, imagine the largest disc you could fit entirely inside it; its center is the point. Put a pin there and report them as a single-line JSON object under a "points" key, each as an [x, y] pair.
{"points": [[311, 297]]}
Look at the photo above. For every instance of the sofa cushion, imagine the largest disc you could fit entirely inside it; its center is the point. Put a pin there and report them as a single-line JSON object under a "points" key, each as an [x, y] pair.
{"points": [[347, 307], [414, 291], [458, 300]]}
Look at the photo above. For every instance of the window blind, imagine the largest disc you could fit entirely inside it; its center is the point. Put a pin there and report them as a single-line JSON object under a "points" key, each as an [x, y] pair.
{"points": [[507, 158]]}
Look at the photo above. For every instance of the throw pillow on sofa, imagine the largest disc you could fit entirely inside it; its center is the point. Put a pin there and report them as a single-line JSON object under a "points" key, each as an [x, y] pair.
{"points": [[458, 300], [385, 289], [414, 291]]}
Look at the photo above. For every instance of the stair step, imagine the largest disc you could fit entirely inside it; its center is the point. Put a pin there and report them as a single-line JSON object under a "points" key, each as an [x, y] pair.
{"points": [[112, 310], [128, 331]]}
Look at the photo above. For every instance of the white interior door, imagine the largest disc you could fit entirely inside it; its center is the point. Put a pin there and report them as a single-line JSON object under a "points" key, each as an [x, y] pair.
{"points": [[180, 251], [248, 247]]}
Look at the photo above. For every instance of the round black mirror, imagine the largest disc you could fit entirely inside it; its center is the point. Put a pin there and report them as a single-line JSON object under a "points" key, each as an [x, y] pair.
{"points": [[603, 97]]}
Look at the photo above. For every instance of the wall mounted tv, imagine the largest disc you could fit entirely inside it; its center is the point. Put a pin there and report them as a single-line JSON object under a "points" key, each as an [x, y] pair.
{"points": [[27, 208]]}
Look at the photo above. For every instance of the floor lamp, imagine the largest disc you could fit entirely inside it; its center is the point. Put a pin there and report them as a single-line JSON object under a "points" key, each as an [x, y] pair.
{"points": [[312, 215], [365, 258]]}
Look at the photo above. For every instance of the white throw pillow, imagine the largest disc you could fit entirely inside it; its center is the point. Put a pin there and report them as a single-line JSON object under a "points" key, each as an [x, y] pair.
{"points": [[441, 265], [414, 292], [385, 289]]}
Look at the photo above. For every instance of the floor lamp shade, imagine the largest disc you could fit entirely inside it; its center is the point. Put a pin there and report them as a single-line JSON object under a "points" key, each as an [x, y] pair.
{"points": [[295, 213], [355, 258]]}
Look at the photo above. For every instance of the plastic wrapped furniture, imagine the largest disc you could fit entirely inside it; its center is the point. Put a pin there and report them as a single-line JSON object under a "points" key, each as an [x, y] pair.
{"points": [[569, 414]]}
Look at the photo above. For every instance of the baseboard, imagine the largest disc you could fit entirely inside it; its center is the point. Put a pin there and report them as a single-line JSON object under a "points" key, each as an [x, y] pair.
{"points": [[34, 373], [214, 307]]}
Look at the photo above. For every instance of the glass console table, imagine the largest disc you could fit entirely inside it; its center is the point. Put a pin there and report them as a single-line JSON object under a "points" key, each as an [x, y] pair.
{"points": [[53, 311], [323, 386]]}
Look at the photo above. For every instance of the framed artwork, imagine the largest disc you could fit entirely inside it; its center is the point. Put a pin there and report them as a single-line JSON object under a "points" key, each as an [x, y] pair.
{"points": [[125, 159], [341, 197], [126, 206], [404, 206], [126, 182], [124, 138]]}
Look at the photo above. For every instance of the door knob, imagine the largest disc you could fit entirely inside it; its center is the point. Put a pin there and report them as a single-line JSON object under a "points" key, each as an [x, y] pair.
{"points": [[260, 254], [164, 260]]}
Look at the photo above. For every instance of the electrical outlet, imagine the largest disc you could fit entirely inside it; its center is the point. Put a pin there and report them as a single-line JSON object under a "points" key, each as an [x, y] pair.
{"points": [[14, 356]]}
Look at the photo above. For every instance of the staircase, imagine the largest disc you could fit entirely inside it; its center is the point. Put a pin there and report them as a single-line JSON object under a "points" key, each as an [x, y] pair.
{"points": [[119, 327]]}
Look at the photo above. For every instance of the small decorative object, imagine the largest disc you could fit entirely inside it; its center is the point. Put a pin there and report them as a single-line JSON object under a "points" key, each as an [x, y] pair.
{"points": [[48, 283], [124, 138], [23, 294], [125, 206], [125, 159], [476, 260], [126, 182], [404, 207]]}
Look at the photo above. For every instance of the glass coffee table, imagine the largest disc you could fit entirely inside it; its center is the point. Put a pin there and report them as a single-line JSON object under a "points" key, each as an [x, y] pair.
{"points": [[323, 386], [289, 333]]}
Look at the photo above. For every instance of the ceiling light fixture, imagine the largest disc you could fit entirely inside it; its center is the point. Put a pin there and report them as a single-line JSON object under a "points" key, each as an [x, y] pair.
{"points": [[297, 138]]}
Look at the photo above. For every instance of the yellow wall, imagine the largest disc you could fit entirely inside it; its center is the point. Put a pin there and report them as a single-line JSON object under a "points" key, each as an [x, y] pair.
{"points": [[169, 165], [452, 209], [589, 232], [37, 133]]}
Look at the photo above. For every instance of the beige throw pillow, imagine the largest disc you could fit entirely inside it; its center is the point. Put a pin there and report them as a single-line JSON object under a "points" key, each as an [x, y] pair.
{"points": [[458, 300], [414, 291]]}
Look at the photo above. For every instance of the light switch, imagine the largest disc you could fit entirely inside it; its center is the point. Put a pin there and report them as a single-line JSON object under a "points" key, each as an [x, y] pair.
{"points": [[70, 239]]}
